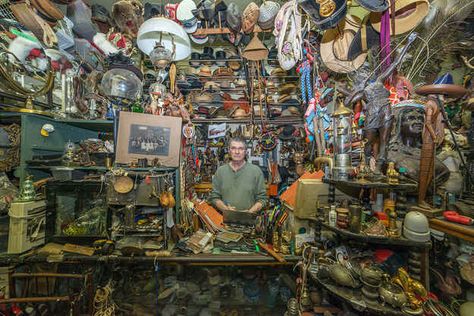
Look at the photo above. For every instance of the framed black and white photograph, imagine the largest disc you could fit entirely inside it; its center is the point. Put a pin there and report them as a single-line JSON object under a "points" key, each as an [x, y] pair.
{"points": [[148, 136]]}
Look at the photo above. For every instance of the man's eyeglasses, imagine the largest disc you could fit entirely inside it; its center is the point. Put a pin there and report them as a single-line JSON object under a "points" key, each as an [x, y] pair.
{"points": [[237, 148]]}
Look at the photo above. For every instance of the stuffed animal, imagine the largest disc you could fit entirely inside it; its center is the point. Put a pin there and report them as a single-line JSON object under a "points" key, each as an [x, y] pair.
{"points": [[127, 16]]}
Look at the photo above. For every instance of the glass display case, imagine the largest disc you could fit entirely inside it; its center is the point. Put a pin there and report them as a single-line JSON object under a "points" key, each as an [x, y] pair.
{"points": [[76, 210]]}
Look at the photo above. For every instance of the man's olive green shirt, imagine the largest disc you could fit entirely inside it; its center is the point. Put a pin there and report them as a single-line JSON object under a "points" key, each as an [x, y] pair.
{"points": [[240, 189]]}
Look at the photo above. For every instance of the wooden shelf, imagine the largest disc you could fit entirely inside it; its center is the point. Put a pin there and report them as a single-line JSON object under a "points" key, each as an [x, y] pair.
{"points": [[463, 232], [103, 169], [224, 30], [355, 298], [375, 239], [409, 187]]}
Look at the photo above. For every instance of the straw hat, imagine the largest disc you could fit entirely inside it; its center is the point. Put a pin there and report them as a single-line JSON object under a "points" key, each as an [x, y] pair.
{"points": [[205, 71], [268, 12], [255, 50], [408, 14], [250, 17], [335, 46]]}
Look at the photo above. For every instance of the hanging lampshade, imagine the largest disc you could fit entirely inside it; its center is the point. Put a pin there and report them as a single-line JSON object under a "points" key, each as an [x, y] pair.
{"points": [[173, 37]]}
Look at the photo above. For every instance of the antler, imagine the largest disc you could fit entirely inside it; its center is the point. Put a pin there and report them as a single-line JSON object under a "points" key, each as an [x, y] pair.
{"points": [[467, 62]]}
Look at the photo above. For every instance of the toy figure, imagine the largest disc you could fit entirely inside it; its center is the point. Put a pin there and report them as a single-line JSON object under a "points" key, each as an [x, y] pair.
{"points": [[378, 111], [392, 174]]}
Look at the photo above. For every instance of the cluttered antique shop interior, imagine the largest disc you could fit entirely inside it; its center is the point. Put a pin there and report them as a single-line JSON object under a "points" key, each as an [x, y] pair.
{"points": [[236, 158]]}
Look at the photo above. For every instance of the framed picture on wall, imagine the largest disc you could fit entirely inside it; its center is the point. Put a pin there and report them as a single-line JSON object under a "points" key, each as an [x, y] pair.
{"points": [[148, 136]]}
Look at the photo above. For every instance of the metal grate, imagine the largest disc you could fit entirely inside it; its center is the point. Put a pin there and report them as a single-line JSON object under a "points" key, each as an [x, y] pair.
{"points": [[5, 11]]}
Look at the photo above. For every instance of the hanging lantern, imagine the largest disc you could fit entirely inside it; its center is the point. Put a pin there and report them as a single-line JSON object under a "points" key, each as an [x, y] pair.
{"points": [[342, 133]]}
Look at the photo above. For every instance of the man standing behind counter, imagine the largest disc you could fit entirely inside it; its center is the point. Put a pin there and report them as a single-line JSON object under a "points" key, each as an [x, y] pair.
{"points": [[238, 185]]}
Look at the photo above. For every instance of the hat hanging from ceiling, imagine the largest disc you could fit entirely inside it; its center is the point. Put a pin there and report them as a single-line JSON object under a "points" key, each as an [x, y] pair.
{"points": [[374, 5], [185, 15], [233, 17], [250, 17], [335, 46], [325, 14], [408, 14], [267, 13], [255, 50], [443, 85], [365, 39]]}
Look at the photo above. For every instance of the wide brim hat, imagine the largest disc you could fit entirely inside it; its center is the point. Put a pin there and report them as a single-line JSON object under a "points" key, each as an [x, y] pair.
{"points": [[374, 5], [268, 12], [334, 47], [365, 39], [255, 50], [184, 12], [200, 40], [443, 85], [325, 16], [233, 17], [287, 132], [250, 17], [408, 14], [205, 71]]}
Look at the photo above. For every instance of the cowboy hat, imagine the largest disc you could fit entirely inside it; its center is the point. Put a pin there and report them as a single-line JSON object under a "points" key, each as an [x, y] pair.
{"points": [[335, 46], [443, 85], [408, 14]]}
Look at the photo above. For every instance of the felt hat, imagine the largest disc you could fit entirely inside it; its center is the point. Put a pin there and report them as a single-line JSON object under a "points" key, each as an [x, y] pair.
{"points": [[365, 38], [220, 58], [408, 14], [233, 17], [287, 132], [195, 57], [374, 5], [443, 85], [324, 15], [335, 46], [250, 17]]}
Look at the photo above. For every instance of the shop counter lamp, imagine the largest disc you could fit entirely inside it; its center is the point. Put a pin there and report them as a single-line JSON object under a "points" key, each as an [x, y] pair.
{"points": [[343, 132]]}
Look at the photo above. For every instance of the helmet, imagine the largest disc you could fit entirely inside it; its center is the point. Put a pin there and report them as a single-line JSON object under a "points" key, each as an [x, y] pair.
{"points": [[416, 227]]}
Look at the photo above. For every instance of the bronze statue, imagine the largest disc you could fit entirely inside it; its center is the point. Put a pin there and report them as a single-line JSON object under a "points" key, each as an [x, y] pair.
{"points": [[377, 110]]}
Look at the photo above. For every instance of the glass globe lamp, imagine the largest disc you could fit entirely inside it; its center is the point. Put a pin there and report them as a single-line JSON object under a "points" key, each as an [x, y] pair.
{"points": [[121, 83], [160, 56]]}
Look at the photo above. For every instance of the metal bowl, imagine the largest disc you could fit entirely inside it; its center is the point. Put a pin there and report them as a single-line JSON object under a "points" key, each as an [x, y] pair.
{"points": [[123, 184], [392, 294]]}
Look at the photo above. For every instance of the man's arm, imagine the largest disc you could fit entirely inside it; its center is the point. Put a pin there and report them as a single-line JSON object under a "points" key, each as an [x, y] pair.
{"points": [[261, 195], [216, 197]]}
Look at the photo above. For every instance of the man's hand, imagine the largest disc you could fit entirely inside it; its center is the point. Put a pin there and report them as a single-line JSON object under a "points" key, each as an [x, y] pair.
{"points": [[230, 208]]}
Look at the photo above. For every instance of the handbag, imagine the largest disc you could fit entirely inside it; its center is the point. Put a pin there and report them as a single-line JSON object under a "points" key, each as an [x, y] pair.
{"points": [[289, 37]]}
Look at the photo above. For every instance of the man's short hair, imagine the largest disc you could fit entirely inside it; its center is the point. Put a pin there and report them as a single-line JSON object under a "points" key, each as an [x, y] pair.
{"points": [[238, 140]]}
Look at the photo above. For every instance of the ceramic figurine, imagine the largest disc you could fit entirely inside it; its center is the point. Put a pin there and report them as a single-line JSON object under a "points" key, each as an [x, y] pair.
{"points": [[392, 174], [28, 192]]}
